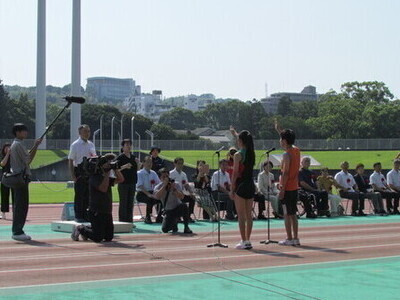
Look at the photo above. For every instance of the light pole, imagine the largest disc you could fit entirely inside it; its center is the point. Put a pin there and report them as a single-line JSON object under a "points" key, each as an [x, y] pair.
{"points": [[122, 128], [151, 134], [94, 137], [132, 119], [139, 143], [101, 134], [112, 134]]}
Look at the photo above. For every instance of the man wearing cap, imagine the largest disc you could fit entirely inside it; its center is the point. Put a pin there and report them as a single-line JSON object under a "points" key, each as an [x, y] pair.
{"points": [[79, 149], [157, 161]]}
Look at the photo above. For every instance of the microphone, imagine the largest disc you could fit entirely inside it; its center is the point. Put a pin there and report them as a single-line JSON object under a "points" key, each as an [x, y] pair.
{"points": [[220, 149], [270, 150], [73, 99]]}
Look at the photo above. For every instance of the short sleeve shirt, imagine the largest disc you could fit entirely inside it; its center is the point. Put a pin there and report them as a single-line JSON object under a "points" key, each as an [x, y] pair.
{"points": [[345, 180], [80, 149], [147, 180], [224, 180], [393, 178], [19, 157], [378, 179], [179, 177]]}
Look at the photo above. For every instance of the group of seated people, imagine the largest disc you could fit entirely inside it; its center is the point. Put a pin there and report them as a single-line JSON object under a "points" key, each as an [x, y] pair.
{"points": [[316, 193]]}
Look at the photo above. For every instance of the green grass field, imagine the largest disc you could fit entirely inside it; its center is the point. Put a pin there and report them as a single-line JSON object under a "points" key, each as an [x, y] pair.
{"points": [[330, 159], [55, 193], [45, 157]]}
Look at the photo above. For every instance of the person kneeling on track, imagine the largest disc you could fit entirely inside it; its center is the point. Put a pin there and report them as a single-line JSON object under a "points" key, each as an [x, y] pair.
{"points": [[101, 179], [170, 195]]}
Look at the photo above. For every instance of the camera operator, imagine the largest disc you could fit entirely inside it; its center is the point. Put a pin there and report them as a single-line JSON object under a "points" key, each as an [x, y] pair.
{"points": [[170, 194], [100, 201]]}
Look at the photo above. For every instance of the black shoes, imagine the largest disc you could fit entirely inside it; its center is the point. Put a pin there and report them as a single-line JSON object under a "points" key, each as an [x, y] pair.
{"points": [[261, 217], [187, 231], [148, 220]]}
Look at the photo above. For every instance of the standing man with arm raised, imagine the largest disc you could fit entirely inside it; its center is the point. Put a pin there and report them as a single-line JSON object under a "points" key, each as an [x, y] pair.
{"points": [[20, 160], [81, 148]]}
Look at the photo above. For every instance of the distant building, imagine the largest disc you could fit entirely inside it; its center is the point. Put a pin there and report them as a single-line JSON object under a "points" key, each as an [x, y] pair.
{"points": [[270, 104], [191, 103], [148, 105], [110, 89]]}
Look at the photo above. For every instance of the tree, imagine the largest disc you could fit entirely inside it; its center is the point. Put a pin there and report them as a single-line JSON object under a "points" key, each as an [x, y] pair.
{"points": [[367, 91], [163, 132], [285, 106], [179, 118]]}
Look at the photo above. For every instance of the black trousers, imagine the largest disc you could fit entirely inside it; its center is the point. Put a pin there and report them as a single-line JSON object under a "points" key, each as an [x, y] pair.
{"points": [[226, 203], [150, 202], [126, 198], [171, 217], [102, 227], [81, 199], [5, 198], [357, 198], [321, 198], [389, 196], [260, 199], [20, 209], [192, 201]]}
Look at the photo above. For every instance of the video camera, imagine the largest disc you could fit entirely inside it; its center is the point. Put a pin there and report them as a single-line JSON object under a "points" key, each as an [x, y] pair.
{"points": [[93, 165]]}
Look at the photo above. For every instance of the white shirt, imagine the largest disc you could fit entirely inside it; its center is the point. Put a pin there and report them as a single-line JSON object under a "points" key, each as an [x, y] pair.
{"points": [[80, 149], [224, 180], [346, 180], [147, 179], [393, 178], [378, 179], [180, 178], [266, 180]]}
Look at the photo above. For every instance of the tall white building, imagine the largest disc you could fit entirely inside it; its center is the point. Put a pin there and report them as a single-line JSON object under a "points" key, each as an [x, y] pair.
{"points": [[108, 88]]}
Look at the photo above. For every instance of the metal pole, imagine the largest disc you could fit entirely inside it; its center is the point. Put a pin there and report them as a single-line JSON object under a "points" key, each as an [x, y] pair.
{"points": [[132, 119], [122, 128], [101, 134], [94, 137], [139, 143], [40, 113], [112, 134]]}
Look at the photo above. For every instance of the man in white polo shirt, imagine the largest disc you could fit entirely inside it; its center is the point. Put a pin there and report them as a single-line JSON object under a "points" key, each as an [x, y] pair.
{"points": [[379, 184], [350, 190], [81, 148], [181, 179], [222, 188]]}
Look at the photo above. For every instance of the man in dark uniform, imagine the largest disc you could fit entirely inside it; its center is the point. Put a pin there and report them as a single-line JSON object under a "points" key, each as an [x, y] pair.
{"points": [[158, 162], [100, 202]]}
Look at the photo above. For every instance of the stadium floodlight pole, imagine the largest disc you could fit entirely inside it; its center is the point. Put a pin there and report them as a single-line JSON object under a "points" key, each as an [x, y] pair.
{"points": [[101, 134], [218, 243], [94, 136], [139, 146], [112, 134], [132, 132], [122, 128], [270, 183]]}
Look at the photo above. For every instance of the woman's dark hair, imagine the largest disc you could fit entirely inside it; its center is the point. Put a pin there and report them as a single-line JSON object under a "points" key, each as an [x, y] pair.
{"points": [[3, 149], [19, 127], [248, 143], [197, 165], [268, 162], [288, 135]]}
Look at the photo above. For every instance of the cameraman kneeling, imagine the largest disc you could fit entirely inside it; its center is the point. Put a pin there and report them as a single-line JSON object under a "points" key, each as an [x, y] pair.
{"points": [[100, 201], [170, 194]]}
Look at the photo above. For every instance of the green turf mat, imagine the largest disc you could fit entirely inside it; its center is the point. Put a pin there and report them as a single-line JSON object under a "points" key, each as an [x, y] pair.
{"points": [[356, 279]]}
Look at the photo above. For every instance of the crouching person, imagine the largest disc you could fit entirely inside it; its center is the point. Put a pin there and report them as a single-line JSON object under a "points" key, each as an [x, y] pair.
{"points": [[170, 195], [102, 177]]}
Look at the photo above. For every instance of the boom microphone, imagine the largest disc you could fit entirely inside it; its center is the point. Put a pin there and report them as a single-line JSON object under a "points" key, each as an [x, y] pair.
{"points": [[220, 149], [73, 99]]}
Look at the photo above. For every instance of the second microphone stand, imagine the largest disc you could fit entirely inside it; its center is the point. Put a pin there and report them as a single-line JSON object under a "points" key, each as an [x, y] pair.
{"points": [[268, 240]]}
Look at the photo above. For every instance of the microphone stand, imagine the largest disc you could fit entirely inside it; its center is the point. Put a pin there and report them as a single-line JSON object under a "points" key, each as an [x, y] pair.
{"points": [[268, 240], [218, 243]]}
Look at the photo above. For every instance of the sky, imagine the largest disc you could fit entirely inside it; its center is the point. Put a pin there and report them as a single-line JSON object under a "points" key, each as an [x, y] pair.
{"points": [[230, 48]]}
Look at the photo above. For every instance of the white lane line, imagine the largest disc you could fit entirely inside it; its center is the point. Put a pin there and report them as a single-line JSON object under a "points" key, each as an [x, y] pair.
{"points": [[110, 251], [163, 261]]}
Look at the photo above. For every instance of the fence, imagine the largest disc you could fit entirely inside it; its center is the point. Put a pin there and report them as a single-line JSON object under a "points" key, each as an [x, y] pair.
{"points": [[340, 144]]}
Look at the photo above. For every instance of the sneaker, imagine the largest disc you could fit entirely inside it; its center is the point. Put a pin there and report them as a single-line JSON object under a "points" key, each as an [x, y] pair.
{"points": [[296, 242], [21, 237], [241, 245], [248, 245], [148, 220], [286, 243], [75, 233]]}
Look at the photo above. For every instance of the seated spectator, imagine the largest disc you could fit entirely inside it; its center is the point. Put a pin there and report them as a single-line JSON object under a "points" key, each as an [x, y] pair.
{"points": [[157, 161], [147, 180], [202, 181], [349, 190], [222, 188], [307, 183], [267, 188], [181, 179], [325, 182], [380, 185], [364, 187], [229, 158], [170, 194], [393, 177]]}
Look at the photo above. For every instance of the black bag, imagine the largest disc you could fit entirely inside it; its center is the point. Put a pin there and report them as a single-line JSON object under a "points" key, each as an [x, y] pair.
{"points": [[14, 180]]}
